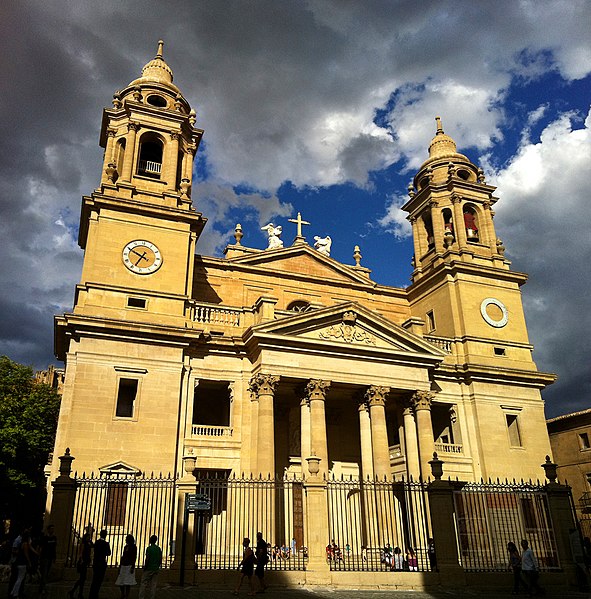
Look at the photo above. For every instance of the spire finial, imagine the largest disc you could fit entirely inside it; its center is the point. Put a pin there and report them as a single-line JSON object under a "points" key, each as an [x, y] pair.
{"points": [[439, 125], [160, 49]]}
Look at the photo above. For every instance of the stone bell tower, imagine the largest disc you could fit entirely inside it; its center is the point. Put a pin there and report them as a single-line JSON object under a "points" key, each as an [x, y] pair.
{"points": [[139, 228], [470, 301]]}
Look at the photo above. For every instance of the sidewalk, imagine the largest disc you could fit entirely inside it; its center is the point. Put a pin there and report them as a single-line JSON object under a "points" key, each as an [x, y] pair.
{"points": [[59, 590]]}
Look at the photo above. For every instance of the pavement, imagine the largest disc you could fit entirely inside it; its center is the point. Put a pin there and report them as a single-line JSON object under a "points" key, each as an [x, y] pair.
{"points": [[59, 590]]}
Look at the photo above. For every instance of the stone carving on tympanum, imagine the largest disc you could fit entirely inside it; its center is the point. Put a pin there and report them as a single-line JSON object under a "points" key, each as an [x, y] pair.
{"points": [[348, 331]]}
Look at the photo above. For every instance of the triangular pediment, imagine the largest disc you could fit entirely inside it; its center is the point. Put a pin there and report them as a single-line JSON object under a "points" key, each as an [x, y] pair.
{"points": [[348, 327], [119, 469], [304, 260]]}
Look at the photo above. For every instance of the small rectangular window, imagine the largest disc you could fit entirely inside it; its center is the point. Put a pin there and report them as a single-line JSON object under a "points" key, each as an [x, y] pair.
{"points": [[431, 321], [126, 396], [499, 351], [136, 302], [584, 441], [513, 428]]}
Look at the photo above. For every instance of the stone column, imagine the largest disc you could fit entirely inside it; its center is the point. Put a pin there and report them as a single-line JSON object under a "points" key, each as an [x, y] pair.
{"points": [[366, 446], [376, 400], [264, 386], [316, 394], [459, 226], [488, 225], [130, 151], [305, 448], [411, 444], [422, 405], [110, 167], [61, 512], [172, 161]]}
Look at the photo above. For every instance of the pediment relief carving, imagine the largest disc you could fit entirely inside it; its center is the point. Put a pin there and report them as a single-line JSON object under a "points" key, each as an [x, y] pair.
{"points": [[348, 331]]}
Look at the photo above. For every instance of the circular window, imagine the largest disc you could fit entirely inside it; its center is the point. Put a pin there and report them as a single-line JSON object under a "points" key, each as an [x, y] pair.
{"points": [[157, 101], [494, 312]]}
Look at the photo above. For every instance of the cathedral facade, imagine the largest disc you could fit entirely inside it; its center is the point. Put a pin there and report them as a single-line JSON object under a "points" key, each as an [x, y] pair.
{"points": [[256, 361]]}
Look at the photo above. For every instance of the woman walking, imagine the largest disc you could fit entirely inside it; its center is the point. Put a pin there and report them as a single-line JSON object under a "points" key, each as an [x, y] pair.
{"points": [[515, 566], [126, 578], [246, 566]]}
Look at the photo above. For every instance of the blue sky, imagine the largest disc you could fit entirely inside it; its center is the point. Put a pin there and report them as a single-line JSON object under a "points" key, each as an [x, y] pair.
{"points": [[322, 107]]}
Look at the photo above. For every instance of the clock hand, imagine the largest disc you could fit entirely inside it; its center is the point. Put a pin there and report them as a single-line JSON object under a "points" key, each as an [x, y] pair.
{"points": [[141, 257]]}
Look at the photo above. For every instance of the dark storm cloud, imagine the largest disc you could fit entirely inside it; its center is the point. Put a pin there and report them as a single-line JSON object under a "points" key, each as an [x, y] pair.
{"points": [[285, 91]]}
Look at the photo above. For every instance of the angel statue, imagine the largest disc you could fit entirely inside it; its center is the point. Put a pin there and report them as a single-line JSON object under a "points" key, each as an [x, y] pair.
{"points": [[273, 232], [322, 244]]}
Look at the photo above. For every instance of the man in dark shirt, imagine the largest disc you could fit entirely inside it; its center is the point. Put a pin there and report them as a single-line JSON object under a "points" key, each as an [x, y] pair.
{"points": [[99, 564], [262, 558], [48, 545]]}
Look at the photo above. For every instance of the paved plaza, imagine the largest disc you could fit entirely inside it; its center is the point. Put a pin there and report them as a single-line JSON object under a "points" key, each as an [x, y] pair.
{"points": [[109, 591]]}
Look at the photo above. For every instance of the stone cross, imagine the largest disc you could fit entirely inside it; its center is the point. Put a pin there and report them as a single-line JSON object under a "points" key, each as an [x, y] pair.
{"points": [[299, 237]]}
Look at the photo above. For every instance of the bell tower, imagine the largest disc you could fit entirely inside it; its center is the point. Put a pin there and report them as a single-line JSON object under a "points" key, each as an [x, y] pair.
{"points": [[462, 285], [139, 228]]}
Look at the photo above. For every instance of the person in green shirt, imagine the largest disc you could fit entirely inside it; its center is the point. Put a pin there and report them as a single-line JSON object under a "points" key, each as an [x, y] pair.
{"points": [[151, 569]]}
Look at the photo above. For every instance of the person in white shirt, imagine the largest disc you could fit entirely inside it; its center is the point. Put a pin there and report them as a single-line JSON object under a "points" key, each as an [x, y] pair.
{"points": [[529, 568]]}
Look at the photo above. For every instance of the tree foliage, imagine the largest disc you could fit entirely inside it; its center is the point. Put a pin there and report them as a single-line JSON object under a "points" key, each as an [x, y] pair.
{"points": [[28, 421]]}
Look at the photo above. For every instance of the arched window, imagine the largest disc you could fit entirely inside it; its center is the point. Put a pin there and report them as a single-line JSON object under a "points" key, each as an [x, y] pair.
{"points": [[150, 162], [448, 223], [471, 224], [299, 306]]}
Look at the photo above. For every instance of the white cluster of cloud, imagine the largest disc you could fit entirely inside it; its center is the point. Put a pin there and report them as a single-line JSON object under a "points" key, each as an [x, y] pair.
{"points": [[287, 92]]}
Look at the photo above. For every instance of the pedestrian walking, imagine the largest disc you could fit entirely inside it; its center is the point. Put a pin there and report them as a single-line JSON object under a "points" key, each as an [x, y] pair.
{"points": [[126, 578], [48, 548], [22, 562], [515, 567], [529, 567], [246, 566], [102, 550], [151, 568], [262, 559], [83, 562]]}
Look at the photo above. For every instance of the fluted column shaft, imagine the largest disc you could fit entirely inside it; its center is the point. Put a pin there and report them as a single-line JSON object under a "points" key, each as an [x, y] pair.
{"points": [[264, 386], [411, 444], [316, 394], [365, 438], [422, 404], [304, 433], [376, 399]]}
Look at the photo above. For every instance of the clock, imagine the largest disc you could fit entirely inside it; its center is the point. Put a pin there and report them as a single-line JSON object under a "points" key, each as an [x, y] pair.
{"points": [[494, 322], [142, 257]]}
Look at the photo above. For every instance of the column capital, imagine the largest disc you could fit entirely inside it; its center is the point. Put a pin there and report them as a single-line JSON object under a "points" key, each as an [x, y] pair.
{"points": [[263, 384], [133, 126], [175, 135], [376, 395], [111, 132], [422, 400], [316, 389], [455, 198]]}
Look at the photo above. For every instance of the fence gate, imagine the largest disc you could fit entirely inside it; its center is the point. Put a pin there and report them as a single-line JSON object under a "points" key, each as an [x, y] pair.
{"points": [[377, 525], [488, 516], [241, 507], [124, 505]]}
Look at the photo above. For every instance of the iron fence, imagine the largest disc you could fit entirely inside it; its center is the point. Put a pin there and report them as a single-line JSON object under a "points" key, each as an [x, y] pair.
{"points": [[241, 507], [488, 516], [378, 525], [124, 505]]}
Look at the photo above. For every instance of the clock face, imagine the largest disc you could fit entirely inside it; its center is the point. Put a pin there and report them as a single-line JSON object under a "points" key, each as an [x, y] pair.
{"points": [[494, 312], [142, 257]]}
